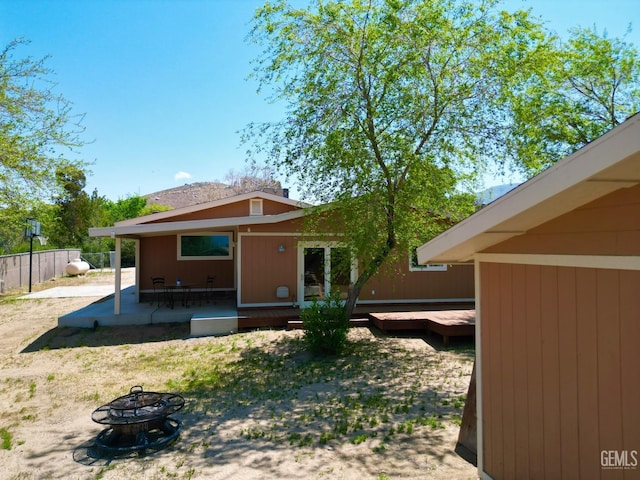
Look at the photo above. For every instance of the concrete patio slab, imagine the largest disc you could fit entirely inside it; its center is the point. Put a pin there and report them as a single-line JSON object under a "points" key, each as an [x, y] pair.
{"points": [[100, 313]]}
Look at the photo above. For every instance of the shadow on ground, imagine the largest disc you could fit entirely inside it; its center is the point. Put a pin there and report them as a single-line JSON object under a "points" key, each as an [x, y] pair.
{"points": [[457, 344], [73, 337]]}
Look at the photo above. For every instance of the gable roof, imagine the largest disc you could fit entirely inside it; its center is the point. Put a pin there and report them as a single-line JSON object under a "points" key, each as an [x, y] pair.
{"points": [[609, 163], [167, 215], [149, 225]]}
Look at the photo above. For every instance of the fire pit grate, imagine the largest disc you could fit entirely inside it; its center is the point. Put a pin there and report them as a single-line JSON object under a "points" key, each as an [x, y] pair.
{"points": [[138, 421]]}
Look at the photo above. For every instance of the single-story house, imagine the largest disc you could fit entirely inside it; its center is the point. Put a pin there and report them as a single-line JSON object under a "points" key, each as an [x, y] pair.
{"points": [[557, 278], [256, 247]]}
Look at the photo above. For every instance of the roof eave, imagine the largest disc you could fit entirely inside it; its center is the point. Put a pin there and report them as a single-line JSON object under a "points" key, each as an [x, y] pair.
{"points": [[168, 228], [154, 217], [607, 164]]}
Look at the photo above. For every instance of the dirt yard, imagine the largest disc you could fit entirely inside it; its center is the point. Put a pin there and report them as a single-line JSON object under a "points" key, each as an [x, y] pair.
{"points": [[258, 406]]}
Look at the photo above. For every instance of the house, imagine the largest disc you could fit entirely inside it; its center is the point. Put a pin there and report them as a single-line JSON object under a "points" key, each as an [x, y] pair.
{"points": [[557, 278], [257, 248]]}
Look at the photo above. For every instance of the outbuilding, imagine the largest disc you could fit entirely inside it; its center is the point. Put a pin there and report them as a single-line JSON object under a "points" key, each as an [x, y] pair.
{"points": [[557, 279]]}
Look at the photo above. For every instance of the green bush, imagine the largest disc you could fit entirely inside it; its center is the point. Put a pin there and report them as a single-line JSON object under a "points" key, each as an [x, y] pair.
{"points": [[325, 325]]}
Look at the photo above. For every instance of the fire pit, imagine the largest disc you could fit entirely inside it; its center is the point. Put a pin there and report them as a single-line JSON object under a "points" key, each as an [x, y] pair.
{"points": [[138, 421]]}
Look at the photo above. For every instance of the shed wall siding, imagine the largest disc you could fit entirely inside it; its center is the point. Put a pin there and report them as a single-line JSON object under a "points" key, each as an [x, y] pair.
{"points": [[607, 226], [560, 370]]}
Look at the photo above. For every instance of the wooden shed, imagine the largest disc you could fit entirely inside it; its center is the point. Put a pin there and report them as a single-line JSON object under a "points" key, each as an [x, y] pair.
{"points": [[557, 275]]}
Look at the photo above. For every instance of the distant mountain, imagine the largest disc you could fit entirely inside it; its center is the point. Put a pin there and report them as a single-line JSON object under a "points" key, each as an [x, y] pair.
{"points": [[200, 192]]}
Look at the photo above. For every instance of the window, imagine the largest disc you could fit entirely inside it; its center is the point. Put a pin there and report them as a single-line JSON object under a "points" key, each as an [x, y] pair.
{"points": [[205, 246], [255, 206], [414, 266]]}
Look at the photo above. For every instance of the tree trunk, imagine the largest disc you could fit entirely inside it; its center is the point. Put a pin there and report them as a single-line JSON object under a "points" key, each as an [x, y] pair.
{"points": [[369, 271]]}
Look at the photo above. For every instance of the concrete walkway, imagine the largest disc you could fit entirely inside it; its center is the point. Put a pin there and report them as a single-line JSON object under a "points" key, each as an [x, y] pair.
{"points": [[74, 291]]}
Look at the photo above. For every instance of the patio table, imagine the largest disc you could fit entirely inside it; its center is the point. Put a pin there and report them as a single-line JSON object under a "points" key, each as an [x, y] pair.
{"points": [[183, 290]]}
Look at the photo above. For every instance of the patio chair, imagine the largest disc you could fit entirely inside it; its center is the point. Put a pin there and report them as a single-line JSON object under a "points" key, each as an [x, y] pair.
{"points": [[208, 293], [159, 290]]}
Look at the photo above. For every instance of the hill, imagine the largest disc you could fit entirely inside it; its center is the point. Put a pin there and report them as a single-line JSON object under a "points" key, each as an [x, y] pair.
{"points": [[200, 192]]}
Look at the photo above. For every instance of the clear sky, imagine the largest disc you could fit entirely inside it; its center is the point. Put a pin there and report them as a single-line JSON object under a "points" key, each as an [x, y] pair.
{"points": [[164, 83]]}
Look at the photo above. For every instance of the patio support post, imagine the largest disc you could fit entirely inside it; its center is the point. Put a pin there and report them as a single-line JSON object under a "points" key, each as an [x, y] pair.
{"points": [[137, 260], [118, 294]]}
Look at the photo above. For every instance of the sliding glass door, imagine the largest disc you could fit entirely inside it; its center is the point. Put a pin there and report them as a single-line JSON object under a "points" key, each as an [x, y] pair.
{"points": [[323, 268]]}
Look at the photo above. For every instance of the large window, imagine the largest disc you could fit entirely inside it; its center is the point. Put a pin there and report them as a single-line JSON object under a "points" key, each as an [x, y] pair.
{"points": [[205, 246]]}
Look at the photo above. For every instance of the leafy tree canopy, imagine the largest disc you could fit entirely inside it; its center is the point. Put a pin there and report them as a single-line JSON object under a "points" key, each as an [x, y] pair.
{"points": [[392, 105], [588, 86], [36, 126]]}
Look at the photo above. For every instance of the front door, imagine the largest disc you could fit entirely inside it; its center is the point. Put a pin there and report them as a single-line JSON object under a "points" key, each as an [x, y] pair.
{"points": [[323, 268]]}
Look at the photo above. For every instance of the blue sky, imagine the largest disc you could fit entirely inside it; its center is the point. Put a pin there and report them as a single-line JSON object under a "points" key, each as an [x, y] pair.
{"points": [[164, 83]]}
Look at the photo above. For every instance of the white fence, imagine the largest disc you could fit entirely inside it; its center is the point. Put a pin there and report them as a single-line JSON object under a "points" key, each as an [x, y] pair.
{"points": [[47, 264]]}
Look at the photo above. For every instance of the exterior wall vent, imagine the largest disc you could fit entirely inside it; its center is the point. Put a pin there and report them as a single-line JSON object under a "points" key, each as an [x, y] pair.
{"points": [[282, 292], [255, 206]]}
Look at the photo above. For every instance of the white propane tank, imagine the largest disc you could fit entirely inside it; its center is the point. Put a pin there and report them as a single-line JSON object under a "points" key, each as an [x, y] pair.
{"points": [[77, 267]]}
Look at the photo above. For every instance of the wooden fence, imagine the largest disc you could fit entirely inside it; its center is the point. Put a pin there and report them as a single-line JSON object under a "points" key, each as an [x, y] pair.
{"points": [[47, 264]]}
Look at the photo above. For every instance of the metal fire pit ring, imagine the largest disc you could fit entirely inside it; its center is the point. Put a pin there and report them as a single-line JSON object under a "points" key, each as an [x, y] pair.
{"points": [[138, 421]]}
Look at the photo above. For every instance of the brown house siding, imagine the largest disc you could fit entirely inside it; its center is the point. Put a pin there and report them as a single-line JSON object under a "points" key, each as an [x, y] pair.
{"points": [[231, 210], [158, 257], [264, 268], [560, 370], [456, 282]]}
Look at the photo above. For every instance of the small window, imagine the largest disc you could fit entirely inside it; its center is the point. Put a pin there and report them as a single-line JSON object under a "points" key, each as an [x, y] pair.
{"points": [[414, 266], [255, 206], [205, 246]]}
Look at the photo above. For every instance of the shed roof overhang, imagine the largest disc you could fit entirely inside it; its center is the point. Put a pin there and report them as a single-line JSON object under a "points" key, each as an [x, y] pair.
{"points": [[607, 164]]}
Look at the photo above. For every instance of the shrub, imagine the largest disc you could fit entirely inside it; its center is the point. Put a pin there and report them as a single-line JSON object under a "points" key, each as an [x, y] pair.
{"points": [[325, 325]]}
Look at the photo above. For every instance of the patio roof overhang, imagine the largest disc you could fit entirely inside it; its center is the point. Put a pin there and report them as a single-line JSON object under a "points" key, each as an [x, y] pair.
{"points": [[168, 228], [607, 164]]}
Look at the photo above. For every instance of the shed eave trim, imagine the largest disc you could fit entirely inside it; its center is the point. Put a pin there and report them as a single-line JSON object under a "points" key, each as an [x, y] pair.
{"points": [[614, 262]]}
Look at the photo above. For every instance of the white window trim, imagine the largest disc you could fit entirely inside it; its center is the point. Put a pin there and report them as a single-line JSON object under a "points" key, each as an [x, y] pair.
{"points": [[229, 235], [435, 267]]}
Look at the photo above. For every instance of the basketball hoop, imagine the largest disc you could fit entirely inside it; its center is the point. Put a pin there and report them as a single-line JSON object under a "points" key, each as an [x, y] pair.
{"points": [[33, 230]]}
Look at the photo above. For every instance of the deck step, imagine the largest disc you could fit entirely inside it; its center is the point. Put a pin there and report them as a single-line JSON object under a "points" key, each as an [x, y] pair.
{"points": [[354, 322], [220, 323]]}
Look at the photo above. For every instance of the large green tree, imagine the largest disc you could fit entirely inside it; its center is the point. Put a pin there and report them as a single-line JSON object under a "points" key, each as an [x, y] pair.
{"points": [[38, 130], [392, 105], [588, 86]]}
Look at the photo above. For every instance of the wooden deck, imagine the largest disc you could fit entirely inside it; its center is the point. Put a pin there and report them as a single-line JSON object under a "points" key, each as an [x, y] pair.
{"points": [[267, 317], [447, 323]]}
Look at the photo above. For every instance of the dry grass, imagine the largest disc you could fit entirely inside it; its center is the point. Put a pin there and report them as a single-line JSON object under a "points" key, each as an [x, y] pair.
{"points": [[258, 405]]}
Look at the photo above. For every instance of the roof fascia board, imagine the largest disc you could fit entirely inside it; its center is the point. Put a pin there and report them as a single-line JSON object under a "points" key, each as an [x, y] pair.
{"points": [[581, 166], [192, 225], [212, 204], [613, 262]]}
